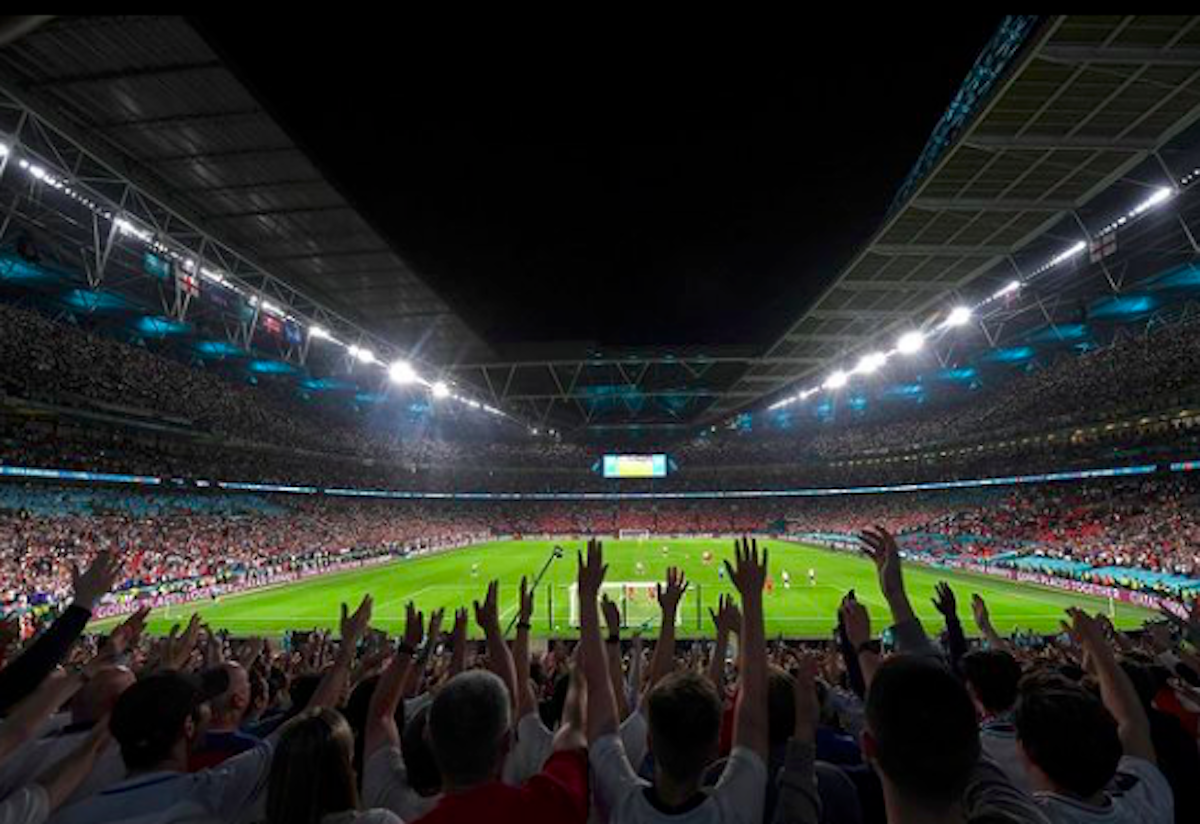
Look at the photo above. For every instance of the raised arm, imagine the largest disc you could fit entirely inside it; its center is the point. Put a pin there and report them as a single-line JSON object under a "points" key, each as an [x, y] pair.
{"points": [[458, 642], [601, 703], [727, 619], [663, 660], [28, 716], [799, 802], [956, 641], [29, 669], [983, 620], [612, 648], [856, 623], [526, 700], [882, 548], [1116, 690], [381, 729], [750, 722], [333, 683], [500, 660], [64, 777]]}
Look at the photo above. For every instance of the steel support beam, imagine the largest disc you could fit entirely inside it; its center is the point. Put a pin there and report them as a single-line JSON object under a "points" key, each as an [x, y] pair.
{"points": [[982, 204], [1120, 55], [936, 250]]}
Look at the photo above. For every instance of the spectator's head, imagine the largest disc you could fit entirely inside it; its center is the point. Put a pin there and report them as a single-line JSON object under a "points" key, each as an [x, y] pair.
{"points": [[158, 720], [468, 728], [781, 706], [229, 684], [1068, 738], [423, 775], [99, 695], [684, 715], [921, 734], [311, 774], [992, 677]]}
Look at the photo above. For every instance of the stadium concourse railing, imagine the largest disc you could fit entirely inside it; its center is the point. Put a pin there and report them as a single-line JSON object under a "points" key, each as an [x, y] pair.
{"points": [[844, 542]]}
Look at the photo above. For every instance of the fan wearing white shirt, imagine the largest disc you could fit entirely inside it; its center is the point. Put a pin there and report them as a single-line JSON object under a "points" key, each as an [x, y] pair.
{"points": [[683, 712]]}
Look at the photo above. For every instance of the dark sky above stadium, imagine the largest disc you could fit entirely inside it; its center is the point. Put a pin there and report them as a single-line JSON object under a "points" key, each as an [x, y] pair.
{"points": [[625, 186]]}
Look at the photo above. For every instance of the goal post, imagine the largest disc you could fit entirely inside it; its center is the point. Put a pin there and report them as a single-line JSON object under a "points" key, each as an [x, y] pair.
{"points": [[633, 534], [638, 602]]}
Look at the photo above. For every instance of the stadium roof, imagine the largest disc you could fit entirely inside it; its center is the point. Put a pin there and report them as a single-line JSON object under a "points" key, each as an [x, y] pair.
{"points": [[147, 94], [1055, 113], [1063, 122]]}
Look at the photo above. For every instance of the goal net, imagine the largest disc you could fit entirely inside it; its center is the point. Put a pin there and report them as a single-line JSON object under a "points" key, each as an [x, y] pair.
{"points": [[634, 534], [637, 600]]}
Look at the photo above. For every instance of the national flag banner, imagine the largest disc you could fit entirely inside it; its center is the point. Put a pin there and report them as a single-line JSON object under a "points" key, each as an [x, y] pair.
{"points": [[1102, 246], [291, 331], [272, 324], [188, 283]]}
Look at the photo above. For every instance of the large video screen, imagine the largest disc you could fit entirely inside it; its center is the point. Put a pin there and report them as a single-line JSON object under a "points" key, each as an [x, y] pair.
{"points": [[635, 466]]}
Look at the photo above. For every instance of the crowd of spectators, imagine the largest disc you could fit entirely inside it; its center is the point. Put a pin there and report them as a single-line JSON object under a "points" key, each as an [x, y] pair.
{"points": [[225, 427], [1094, 725], [183, 541]]}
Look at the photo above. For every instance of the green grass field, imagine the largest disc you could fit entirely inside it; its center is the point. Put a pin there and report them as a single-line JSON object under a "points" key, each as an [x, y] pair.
{"points": [[804, 610]]}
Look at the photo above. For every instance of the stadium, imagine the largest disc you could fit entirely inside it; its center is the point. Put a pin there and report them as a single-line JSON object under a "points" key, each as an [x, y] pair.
{"points": [[366, 470]]}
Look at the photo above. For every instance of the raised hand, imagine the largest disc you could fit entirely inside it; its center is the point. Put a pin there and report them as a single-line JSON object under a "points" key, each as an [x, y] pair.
{"points": [[354, 626], [881, 547], [808, 710], [749, 574], [592, 570], [126, 635], [525, 608], [668, 599], [177, 649], [487, 614], [414, 626], [979, 611], [435, 626], [458, 634], [612, 615], [855, 620], [945, 602], [90, 586], [727, 618]]}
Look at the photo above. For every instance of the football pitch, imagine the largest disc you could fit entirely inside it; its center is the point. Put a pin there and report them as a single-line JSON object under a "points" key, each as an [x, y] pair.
{"points": [[457, 577]]}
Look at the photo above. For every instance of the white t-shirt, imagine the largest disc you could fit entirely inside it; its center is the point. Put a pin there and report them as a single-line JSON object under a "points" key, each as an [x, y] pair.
{"points": [[1139, 794], [33, 759], [28, 805], [535, 744], [232, 792], [737, 797], [385, 786]]}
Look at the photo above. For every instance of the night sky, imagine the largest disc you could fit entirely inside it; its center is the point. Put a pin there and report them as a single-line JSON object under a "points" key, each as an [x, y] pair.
{"points": [[614, 187]]}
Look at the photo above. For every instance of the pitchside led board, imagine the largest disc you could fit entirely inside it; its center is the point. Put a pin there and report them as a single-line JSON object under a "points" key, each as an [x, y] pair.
{"points": [[635, 466]]}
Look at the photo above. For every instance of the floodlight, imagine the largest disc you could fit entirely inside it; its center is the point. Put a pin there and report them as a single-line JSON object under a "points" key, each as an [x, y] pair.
{"points": [[910, 342], [837, 380], [959, 316], [440, 390], [402, 372], [869, 364]]}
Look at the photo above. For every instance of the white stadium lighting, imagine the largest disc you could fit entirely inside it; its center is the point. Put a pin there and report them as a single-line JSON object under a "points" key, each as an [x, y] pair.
{"points": [[1010, 287], [959, 316], [910, 342], [440, 390], [318, 332], [402, 372], [362, 355], [837, 380], [869, 364], [3, 149]]}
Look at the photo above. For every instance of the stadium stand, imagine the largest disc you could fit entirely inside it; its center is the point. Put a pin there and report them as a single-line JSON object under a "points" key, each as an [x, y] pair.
{"points": [[137, 473]]}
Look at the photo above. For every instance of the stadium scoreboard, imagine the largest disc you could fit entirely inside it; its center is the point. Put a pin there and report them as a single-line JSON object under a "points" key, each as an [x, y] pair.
{"points": [[635, 466]]}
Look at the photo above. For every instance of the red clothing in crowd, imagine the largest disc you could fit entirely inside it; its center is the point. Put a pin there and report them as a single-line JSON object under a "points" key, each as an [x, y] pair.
{"points": [[556, 795]]}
